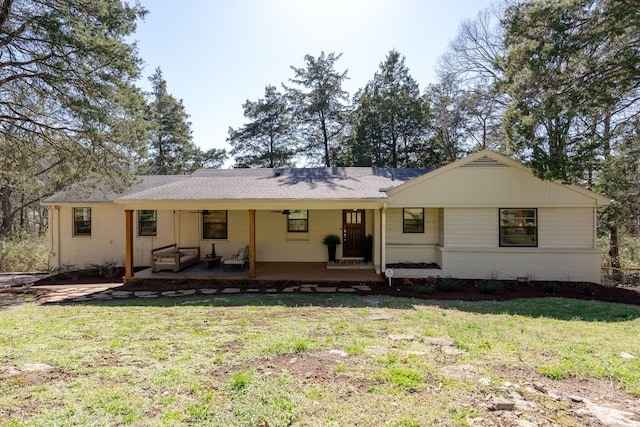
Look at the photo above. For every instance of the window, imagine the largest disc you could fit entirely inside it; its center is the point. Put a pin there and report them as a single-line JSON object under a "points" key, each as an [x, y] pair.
{"points": [[519, 227], [298, 221], [214, 224], [147, 221], [82, 222], [413, 220]]}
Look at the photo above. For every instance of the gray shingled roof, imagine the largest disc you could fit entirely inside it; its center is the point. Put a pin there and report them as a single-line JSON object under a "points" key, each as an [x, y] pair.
{"points": [[260, 184], [280, 184], [90, 194]]}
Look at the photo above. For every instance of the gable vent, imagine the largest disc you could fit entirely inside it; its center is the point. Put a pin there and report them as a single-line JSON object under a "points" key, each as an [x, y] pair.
{"points": [[485, 162]]}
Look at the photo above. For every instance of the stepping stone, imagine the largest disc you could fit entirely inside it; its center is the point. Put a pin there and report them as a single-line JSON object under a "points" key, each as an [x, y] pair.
{"points": [[120, 293], [362, 287], [208, 291], [144, 293], [346, 290], [443, 341], [502, 404], [231, 291], [306, 289], [461, 372], [187, 292], [377, 317], [306, 285], [452, 351], [168, 293], [326, 290], [289, 289], [394, 337], [253, 290]]}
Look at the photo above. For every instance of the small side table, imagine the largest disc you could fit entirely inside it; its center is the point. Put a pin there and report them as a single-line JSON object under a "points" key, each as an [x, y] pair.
{"points": [[212, 261]]}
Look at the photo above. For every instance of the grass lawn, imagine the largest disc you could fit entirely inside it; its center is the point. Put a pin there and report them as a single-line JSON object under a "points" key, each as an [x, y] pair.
{"points": [[321, 360]]}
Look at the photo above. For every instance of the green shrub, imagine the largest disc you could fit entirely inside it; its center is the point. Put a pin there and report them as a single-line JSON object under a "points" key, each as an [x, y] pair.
{"points": [[426, 288], [449, 284], [23, 252], [490, 286]]}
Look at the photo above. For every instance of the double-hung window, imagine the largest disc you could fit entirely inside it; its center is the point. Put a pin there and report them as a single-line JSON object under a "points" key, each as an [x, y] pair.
{"points": [[519, 227], [147, 223], [298, 221], [214, 224], [82, 222], [413, 220]]}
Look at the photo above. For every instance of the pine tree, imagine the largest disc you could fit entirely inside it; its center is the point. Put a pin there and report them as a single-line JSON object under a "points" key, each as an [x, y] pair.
{"points": [[391, 115], [69, 108], [268, 140], [170, 144], [319, 106]]}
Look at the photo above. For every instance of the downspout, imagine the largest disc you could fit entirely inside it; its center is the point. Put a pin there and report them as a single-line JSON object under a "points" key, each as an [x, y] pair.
{"points": [[55, 237], [383, 238]]}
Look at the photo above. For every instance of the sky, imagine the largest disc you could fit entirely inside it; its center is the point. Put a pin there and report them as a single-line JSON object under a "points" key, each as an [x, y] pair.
{"points": [[217, 54]]}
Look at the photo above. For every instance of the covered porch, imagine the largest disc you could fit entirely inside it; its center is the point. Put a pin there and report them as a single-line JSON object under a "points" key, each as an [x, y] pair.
{"points": [[274, 252], [272, 271]]}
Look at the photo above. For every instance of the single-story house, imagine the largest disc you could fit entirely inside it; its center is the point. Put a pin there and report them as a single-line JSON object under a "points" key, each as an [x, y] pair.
{"points": [[484, 216]]}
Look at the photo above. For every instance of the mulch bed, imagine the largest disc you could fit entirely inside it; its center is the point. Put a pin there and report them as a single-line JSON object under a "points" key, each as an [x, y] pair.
{"points": [[417, 288]]}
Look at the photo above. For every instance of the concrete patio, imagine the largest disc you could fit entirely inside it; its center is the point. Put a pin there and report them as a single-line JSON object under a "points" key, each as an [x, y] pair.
{"points": [[274, 271]]}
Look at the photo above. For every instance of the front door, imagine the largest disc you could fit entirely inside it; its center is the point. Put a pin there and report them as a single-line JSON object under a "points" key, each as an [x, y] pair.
{"points": [[353, 233]]}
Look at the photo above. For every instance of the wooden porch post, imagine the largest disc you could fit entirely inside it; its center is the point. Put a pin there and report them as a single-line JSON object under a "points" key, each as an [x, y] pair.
{"points": [[252, 243], [128, 257]]}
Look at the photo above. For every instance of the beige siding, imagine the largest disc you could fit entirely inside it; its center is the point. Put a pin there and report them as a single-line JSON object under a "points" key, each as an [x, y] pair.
{"points": [[566, 228], [472, 227], [411, 247], [105, 244], [273, 243], [534, 263], [487, 186]]}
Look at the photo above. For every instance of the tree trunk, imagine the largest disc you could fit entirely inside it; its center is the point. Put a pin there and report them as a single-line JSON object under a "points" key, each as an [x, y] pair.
{"points": [[7, 215], [614, 255]]}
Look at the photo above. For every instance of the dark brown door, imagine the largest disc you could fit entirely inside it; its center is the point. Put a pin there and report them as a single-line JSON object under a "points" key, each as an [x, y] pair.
{"points": [[353, 232]]}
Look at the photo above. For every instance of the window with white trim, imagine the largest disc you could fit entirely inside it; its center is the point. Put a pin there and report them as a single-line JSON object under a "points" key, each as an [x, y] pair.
{"points": [[82, 222]]}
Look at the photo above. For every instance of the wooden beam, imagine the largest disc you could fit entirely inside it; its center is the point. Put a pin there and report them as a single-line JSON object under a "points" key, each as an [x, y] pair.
{"points": [[128, 266], [252, 243]]}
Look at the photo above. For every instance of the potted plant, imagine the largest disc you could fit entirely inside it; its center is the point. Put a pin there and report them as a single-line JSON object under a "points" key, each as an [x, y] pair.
{"points": [[367, 245], [332, 241]]}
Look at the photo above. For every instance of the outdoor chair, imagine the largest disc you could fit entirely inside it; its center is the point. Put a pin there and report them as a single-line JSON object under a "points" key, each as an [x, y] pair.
{"points": [[239, 259]]}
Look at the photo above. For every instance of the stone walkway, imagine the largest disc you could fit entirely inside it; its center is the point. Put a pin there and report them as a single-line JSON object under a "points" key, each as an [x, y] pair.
{"points": [[105, 292]]}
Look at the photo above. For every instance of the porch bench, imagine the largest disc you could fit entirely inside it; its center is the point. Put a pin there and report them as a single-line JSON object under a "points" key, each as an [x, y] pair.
{"points": [[240, 259], [173, 258]]}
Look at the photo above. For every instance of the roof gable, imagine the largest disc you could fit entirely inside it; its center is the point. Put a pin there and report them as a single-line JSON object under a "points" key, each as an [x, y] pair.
{"points": [[489, 179]]}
